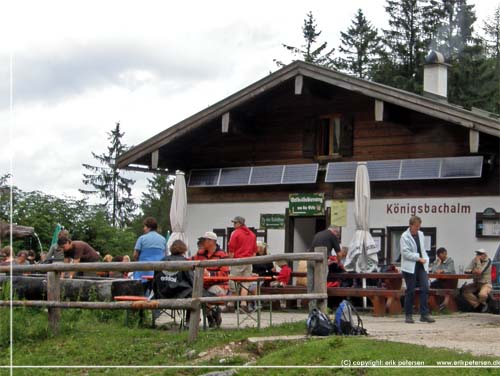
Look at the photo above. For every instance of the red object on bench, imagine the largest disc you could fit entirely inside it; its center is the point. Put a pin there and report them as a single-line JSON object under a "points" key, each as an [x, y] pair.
{"points": [[130, 298]]}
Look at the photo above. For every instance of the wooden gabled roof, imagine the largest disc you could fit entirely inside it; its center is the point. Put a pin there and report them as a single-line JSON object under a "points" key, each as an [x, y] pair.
{"points": [[415, 102]]}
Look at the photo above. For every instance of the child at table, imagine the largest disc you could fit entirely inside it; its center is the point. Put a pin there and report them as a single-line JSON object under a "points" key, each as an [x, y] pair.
{"points": [[284, 274]]}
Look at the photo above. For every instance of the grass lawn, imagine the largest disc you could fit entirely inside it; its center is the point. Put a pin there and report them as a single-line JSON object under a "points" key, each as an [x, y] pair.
{"points": [[100, 338]]}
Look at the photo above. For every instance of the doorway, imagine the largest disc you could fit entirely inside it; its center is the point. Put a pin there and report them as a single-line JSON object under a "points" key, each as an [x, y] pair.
{"points": [[300, 230]]}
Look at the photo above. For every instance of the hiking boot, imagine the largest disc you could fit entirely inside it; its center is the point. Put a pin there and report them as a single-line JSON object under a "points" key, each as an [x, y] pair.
{"points": [[216, 314], [409, 319], [427, 318], [210, 318]]}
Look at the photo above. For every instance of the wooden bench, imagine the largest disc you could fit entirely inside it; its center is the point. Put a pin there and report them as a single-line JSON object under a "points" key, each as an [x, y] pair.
{"points": [[434, 295], [382, 299]]}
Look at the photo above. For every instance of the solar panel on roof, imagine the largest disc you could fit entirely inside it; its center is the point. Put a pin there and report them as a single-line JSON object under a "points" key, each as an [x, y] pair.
{"points": [[300, 174], [234, 176], [384, 170], [340, 172], [426, 168], [263, 175], [204, 178], [462, 167]]}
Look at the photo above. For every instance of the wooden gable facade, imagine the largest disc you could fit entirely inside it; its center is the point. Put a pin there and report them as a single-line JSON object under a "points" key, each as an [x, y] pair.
{"points": [[313, 121]]}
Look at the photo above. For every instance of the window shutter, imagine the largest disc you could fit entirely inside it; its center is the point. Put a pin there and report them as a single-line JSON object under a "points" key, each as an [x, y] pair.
{"points": [[309, 139], [346, 135]]}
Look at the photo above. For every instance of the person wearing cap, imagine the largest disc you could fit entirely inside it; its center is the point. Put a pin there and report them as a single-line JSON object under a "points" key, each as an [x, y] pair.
{"points": [[415, 266], [477, 292], [210, 250], [242, 244], [149, 247]]}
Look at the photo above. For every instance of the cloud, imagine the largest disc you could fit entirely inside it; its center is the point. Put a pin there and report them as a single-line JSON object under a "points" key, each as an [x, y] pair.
{"points": [[52, 75]]}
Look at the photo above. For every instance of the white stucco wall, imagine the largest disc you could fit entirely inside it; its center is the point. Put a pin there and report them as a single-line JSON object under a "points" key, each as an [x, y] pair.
{"points": [[455, 231]]}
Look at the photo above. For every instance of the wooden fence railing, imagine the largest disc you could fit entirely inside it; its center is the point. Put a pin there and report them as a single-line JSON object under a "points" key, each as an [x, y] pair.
{"points": [[54, 303]]}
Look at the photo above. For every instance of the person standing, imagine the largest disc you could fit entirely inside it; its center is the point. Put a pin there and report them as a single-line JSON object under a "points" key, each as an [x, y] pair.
{"points": [[149, 247], [415, 266], [480, 268], [242, 244], [328, 239]]}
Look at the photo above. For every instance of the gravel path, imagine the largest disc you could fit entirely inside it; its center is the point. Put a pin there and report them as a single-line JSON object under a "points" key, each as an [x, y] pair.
{"points": [[476, 333]]}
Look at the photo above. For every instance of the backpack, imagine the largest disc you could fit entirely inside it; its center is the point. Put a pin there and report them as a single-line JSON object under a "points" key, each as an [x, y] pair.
{"points": [[318, 324], [347, 320]]}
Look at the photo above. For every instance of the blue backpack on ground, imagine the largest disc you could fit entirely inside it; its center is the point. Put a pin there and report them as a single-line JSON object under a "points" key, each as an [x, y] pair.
{"points": [[347, 321], [318, 324]]}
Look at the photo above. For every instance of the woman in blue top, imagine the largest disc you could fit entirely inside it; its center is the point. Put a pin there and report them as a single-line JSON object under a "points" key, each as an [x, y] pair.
{"points": [[149, 247]]}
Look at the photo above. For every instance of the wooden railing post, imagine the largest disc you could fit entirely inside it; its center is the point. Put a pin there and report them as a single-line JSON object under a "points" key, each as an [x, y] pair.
{"points": [[320, 275], [54, 294], [194, 321]]}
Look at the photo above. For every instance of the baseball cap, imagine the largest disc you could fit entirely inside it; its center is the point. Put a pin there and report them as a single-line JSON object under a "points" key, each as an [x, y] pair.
{"points": [[238, 219], [481, 252], [209, 235]]}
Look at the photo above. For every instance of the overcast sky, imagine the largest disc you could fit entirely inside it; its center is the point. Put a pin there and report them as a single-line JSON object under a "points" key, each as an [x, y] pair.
{"points": [[81, 66]]}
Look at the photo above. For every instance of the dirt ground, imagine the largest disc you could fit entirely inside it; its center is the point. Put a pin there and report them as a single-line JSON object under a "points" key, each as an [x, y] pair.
{"points": [[476, 333]]}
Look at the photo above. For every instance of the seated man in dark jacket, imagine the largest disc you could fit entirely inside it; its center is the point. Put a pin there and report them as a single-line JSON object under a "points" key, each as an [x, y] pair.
{"points": [[178, 284]]}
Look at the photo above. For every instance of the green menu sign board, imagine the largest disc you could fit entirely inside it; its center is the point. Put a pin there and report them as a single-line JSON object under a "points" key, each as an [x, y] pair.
{"points": [[306, 204], [272, 221]]}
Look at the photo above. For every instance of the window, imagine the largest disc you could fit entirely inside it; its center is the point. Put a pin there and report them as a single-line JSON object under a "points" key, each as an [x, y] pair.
{"points": [[328, 136], [394, 236]]}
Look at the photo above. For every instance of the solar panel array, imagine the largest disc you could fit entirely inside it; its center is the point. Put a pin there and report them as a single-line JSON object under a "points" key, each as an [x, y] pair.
{"points": [[408, 169], [259, 175]]}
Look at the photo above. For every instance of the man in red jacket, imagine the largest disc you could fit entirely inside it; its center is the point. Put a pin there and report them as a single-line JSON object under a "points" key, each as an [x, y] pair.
{"points": [[242, 243]]}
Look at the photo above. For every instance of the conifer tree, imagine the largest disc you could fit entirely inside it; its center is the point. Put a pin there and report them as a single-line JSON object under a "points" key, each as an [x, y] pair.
{"points": [[107, 182], [309, 52], [405, 44], [361, 46]]}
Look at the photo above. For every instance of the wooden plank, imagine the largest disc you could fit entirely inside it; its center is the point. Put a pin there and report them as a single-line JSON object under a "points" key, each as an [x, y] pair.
{"points": [[154, 160], [157, 265], [299, 83], [54, 294], [225, 122], [194, 320], [151, 304], [320, 268], [266, 297], [379, 110]]}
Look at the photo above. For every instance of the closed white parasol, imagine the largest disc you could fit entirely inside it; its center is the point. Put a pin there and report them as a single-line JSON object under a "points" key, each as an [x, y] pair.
{"points": [[362, 254], [178, 211]]}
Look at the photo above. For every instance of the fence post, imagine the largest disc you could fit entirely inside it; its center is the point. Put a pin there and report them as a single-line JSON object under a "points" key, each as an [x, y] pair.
{"points": [[54, 294], [320, 279], [194, 321]]}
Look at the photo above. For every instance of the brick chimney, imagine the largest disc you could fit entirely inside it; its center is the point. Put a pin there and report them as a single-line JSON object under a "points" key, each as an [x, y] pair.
{"points": [[436, 76]]}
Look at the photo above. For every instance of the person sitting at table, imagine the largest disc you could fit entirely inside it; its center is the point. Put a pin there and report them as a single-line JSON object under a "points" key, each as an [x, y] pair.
{"points": [[263, 270], [178, 284], [283, 278], [477, 292], [335, 267], [149, 247], [210, 250], [442, 265]]}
